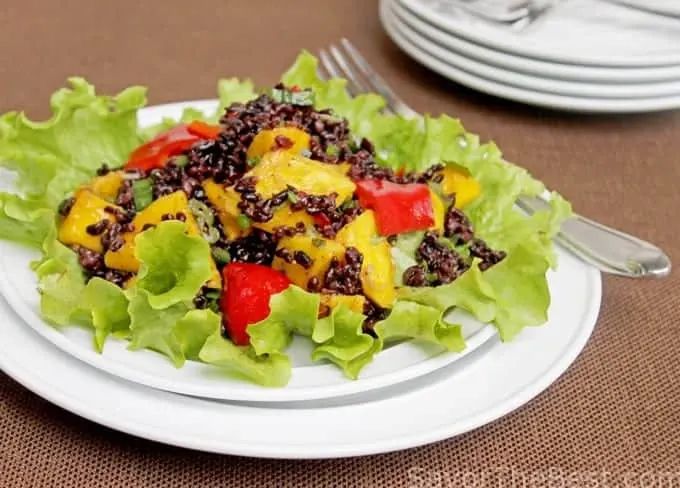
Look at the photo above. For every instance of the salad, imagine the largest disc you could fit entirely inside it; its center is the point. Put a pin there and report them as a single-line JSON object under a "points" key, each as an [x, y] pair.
{"points": [[295, 210]]}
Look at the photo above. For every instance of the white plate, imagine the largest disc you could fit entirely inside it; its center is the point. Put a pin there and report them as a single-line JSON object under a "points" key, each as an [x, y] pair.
{"points": [[582, 32], [429, 39], [397, 363], [407, 42], [663, 7], [537, 67], [451, 401]]}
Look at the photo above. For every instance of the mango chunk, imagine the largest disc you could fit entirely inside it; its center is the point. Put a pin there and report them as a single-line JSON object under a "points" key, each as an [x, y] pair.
{"points": [[321, 251], [278, 170], [353, 302], [439, 211], [107, 186], [459, 182], [377, 270], [265, 141], [87, 209], [225, 201]]}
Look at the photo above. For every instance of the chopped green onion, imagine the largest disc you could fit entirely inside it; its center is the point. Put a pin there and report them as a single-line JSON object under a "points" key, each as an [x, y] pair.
{"points": [[332, 150], [292, 196], [205, 219], [301, 98], [243, 221], [221, 255], [180, 161], [349, 204], [251, 162], [142, 192], [316, 242], [201, 211]]}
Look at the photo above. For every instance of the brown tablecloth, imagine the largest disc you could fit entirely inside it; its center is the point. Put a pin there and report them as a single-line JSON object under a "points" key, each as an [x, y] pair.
{"points": [[612, 420]]}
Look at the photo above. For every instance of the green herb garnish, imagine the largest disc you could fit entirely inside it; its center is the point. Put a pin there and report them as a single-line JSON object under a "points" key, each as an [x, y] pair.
{"points": [[243, 221], [142, 192], [221, 255], [332, 150], [252, 162], [292, 196]]}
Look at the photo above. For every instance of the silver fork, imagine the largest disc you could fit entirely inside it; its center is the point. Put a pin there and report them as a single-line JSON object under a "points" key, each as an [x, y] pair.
{"points": [[609, 250]]}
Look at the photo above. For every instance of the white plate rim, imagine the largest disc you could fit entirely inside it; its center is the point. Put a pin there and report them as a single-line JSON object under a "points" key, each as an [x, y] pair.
{"points": [[66, 395], [460, 30], [544, 69], [546, 100]]}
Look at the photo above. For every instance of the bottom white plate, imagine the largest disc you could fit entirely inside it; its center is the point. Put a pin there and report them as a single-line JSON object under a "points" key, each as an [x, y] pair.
{"points": [[493, 381], [431, 55]]}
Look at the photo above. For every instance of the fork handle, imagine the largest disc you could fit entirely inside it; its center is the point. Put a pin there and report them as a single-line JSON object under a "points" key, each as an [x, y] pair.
{"points": [[609, 250]]}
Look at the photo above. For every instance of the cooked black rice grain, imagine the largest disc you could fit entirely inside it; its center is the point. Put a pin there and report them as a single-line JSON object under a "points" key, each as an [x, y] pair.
{"points": [[258, 248], [345, 277], [415, 275], [479, 249], [285, 254], [65, 206], [98, 228], [374, 314], [93, 266], [125, 197], [444, 264], [457, 226], [303, 259], [103, 170]]}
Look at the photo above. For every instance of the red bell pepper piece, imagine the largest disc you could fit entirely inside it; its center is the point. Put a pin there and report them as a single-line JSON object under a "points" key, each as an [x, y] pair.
{"points": [[203, 130], [322, 220], [172, 142], [399, 208], [245, 298]]}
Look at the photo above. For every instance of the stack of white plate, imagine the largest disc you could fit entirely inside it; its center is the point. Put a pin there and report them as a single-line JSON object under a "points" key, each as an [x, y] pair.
{"points": [[581, 55]]}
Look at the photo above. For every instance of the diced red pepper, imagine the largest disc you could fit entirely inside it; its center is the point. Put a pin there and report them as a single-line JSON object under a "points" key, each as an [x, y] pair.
{"points": [[203, 130], [399, 208], [322, 220], [172, 142], [245, 299]]}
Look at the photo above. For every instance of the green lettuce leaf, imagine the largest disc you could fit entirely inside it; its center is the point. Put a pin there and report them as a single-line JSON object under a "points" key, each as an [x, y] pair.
{"points": [[233, 90], [193, 330], [107, 306], [346, 345], [174, 266], [293, 310], [269, 370], [153, 328], [51, 158], [410, 320]]}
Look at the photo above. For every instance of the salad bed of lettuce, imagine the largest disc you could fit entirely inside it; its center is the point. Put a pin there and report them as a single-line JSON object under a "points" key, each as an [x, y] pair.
{"points": [[53, 157]]}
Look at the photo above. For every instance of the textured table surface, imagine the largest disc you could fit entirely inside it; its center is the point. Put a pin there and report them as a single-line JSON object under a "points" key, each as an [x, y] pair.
{"points": [[613, 419]]}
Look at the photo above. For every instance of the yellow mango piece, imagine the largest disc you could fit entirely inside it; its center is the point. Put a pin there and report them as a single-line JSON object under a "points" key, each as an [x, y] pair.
{"points": [[439, 211], [264, 141], [87, 209], [277, 170], [353, 302], [377, 270], [285, 217], [225, 201], [321, 251], [124, 259], [459, 182], [107, 186]]}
